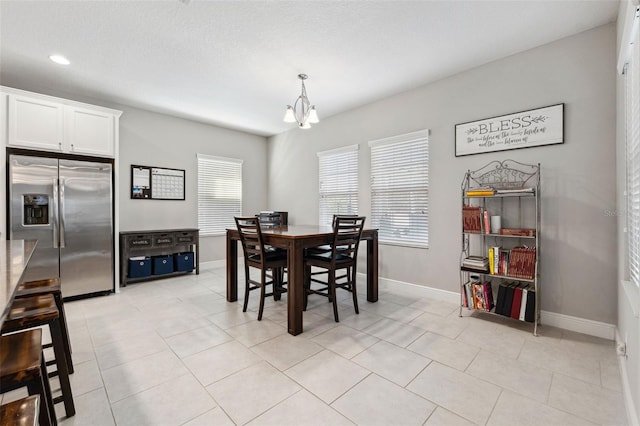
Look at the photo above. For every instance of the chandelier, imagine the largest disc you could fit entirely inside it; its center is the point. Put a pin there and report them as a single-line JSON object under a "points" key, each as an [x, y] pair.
{"points": [[302, 112]]}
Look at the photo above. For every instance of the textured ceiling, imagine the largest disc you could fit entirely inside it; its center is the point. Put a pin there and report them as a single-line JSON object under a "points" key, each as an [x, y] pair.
{"points": [[235, 63]]}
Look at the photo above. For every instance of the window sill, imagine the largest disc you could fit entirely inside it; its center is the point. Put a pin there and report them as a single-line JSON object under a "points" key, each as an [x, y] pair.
{"points": [[416, 246]]}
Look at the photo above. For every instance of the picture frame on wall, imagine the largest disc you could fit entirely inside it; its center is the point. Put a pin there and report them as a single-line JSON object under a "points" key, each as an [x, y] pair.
{"points": [[524, 129]]}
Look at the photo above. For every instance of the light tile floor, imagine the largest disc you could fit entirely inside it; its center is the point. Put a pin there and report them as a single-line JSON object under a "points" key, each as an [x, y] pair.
{"points": [[174, 352]]}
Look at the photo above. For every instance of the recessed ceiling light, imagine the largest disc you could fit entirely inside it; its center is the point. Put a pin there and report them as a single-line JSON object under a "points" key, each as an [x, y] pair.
{"points": [[59, 59]]}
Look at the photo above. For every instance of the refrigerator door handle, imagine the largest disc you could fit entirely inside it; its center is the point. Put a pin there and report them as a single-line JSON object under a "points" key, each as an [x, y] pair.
{"points": [[62, 242], [55, 212]]}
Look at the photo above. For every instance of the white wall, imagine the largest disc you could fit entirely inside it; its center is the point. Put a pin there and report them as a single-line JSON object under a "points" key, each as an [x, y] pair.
{"points": [[578, 252], [628, 299], [152, 139]]}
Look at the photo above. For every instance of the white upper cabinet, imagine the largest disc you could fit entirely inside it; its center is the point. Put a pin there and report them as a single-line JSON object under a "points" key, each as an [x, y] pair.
{"points": [[89, 131], [52, 124], [35, 123]]}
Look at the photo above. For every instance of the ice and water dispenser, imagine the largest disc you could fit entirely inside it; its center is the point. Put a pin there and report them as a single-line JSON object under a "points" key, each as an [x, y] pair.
{"points": [[35, 209]]}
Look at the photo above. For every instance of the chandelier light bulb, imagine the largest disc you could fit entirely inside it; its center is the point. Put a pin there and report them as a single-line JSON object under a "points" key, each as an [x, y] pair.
{"points": [[289, 115], [302, 112], [313, 115]]}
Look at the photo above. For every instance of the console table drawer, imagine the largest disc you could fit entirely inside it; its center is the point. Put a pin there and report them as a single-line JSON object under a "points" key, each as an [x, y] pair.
{"points": [[184, 237], [161, 240], [143, 240]]}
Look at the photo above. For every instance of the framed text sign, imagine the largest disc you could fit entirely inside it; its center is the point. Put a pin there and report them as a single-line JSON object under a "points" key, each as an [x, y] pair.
{"points": [[526, 129], [155, 183]]}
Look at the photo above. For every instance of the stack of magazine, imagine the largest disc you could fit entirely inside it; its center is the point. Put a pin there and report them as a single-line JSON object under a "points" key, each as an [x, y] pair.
{"points": [[476, 263]]}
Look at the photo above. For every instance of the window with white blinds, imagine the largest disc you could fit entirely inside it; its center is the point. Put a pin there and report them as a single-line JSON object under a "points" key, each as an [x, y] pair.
{"points": [[400, 189], [338, 178], [632, 74], [219, 193]]}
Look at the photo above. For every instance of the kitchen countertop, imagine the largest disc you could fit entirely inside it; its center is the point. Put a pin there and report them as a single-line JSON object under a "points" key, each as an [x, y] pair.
{"points": [[14, 257]]}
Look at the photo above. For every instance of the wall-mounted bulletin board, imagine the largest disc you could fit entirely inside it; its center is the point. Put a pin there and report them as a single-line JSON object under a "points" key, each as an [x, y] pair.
{"points": [[156, 183]]}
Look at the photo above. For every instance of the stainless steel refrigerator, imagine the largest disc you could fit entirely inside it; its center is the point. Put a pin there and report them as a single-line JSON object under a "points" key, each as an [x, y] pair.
{"points": [[67, 205]]}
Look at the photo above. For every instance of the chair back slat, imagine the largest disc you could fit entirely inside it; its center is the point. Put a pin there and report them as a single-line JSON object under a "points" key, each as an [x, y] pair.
{"points": [[251, 239], [347, 231]]}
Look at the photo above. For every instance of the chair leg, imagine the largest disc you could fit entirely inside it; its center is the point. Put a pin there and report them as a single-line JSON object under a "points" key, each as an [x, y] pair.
{"points": [[40, 386], [44, 417], [47, 391], [263, 278], [61, 363], [65, 330], [246, 289], [353, 291], [307, 285], [332, 293], [277, 283]]}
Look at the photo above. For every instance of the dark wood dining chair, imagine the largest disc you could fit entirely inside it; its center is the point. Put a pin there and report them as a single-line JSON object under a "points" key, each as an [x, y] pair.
{"points": [[261, 257], [326, 248], [272, 219], [347, 231]]}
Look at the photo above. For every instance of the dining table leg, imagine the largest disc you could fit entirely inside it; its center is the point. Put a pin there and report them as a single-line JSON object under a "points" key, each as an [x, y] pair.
{"points": [[372, 268], [232, 268], [295, 287]]}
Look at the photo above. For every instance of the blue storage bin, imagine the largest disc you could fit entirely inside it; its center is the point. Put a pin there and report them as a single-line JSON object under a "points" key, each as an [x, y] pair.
{"points": [[139, 267], [162, 264], [183, 261]]}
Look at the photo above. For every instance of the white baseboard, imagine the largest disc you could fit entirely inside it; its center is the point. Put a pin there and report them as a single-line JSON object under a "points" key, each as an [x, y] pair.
{"points": [[580, 325], [632, 414], [423, 291]]}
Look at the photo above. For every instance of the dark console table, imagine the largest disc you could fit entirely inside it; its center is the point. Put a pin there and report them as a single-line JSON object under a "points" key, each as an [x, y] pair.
{"points": [[157, 243]]}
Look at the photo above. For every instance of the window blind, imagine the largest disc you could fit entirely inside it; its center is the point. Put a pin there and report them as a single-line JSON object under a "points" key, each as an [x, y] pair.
{"points": [[219, 193], [338, 178], [400, 189], [633, 153]]}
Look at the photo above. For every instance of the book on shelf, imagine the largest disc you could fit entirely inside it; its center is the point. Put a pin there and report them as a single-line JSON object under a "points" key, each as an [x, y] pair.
{"points": [[481, 264], [465, 301], [522, 263], [488, 295], [477, 295], [494, 259], [516, 300], [487, 228], [523, 303], [471, 219], [518, 262], [480, 192], [522, 232], [530, 311], [492, 269], [482, 296], [515, 191], [467, 290], [500, 298], [508, 299]]}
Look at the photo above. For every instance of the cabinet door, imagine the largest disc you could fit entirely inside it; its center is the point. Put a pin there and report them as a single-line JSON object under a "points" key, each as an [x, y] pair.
{"points": [[89, 132], [35, 123]]}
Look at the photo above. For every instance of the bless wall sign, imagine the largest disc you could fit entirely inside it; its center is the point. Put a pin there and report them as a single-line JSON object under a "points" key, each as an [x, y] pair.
{"points": [[535, 127]]}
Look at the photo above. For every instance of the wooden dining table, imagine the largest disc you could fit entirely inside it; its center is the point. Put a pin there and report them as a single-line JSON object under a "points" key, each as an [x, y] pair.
{"points": [[14, 257], [296, 238]]}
